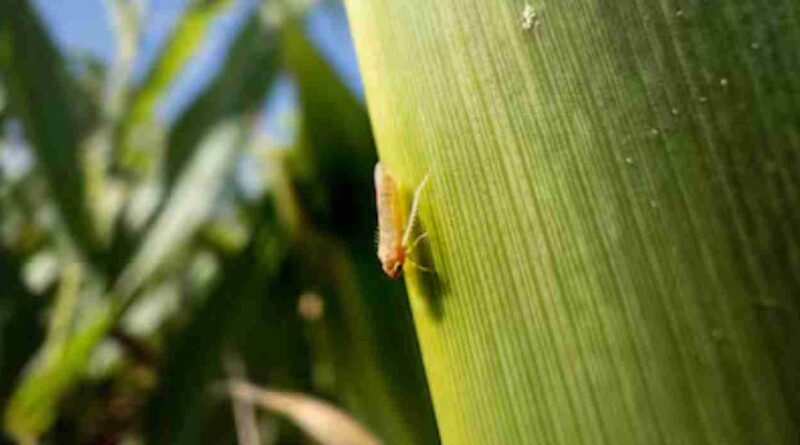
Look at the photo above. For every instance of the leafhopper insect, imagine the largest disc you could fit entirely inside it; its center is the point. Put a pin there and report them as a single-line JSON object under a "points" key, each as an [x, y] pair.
{"points": [[393, 234]]}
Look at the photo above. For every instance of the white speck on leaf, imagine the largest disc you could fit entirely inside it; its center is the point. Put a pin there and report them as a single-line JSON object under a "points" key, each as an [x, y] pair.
{"points": [[723, 82], [530, 18]]}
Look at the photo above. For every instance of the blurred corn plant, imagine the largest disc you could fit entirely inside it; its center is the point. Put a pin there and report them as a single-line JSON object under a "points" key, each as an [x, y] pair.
{"points": [[131, 263]]}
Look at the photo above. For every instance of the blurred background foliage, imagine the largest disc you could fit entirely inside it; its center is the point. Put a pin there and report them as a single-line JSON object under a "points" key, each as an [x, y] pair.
{"points": [[154, 243]]}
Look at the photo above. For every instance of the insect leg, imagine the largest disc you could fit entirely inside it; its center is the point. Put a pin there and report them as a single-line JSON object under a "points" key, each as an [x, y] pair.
{"points": [[414, 207], [418, 266], [410, 248]]}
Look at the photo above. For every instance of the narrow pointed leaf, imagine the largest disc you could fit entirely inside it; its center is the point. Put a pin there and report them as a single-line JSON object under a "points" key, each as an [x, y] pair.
{"points": [[188, 205], [32, 408], [178, 412], [52, 110], [184, 42], [203, 150], [344, 141], [238, 91], [19, 312]]}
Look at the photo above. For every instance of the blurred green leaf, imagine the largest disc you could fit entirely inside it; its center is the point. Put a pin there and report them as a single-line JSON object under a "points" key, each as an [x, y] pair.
{"points": [[63, 312], [125, 16], [90, 74], [188, 205], [3, 108], [19, 313], [32, 408], [194, 357], [238, 91], [52, 109], [340, 152], [208, 165], [206, 152], [185, 41], [322, 95]]}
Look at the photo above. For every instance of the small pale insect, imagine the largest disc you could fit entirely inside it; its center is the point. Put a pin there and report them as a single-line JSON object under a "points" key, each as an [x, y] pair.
{"points": [[393, 235]]}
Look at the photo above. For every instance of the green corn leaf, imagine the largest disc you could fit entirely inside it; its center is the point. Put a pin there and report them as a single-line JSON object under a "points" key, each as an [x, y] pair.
{"points": [[180, 412], [4, 112], [19, 312], [237, 92], [342, 141], [32, 409], [59, 365], [53, 111], [612, 212], [188, 205], [126, 17], [136, 153], [203, 160]]}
